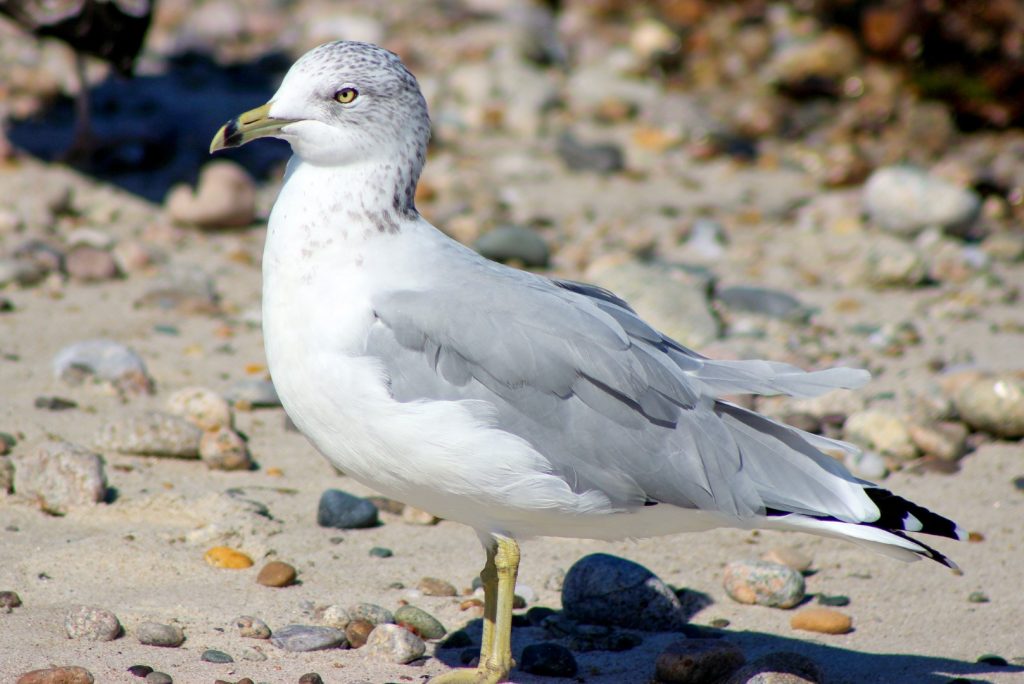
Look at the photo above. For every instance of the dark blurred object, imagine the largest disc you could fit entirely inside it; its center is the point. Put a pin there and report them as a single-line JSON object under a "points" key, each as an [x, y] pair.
{"points": [[112, 30]]}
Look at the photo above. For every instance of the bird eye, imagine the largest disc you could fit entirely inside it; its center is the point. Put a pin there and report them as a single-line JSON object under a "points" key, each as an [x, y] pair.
{"points": [[346, 95]]}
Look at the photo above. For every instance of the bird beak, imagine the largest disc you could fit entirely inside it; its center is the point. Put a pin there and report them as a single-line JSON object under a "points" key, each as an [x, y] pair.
{"points": [[255, 123]]}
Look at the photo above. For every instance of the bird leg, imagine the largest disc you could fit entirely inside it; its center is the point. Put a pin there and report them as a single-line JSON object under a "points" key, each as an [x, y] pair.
{"points": [[499, 580], [83, 141]]}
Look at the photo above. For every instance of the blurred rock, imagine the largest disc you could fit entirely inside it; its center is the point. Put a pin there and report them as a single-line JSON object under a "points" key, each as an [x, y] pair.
{"points": [[150, 434], [514, 243], [883, 432], [944, 440], [695, 661], [225, 198], [90, 264], [888, 262], [994, 404], [103, 360], [600, 158], [60, 475], [224, 449], [905, 200], [185, 288], [763, 583], [200, 406]]}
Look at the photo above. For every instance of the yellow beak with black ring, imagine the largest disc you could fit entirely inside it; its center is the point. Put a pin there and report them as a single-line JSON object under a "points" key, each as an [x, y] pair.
{"points": [[253, 124]]}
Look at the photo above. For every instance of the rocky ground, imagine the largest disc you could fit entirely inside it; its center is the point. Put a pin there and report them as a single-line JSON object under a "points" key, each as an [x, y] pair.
{"points": [[160, 513]]}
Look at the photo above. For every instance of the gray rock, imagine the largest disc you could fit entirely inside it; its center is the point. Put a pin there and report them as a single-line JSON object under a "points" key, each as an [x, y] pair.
{"points": [[548, 660], [252, 627], [696, 661], [9, 600], [89, 264], [60, 475], [157, 677], [866, 464], [308, 638], [184, 288], [783, 667], [253, 392], [763, 583], [212, 655], [600, 158], [342, 510], [890, 263], [765, 302], [514, 243], [19, 272], [994, 404], [372, 613], [420, 621], [253, 655], [106, 361], [90, 623], [671, 300], [883, 432], [151, 434], [225, 198], [606, 590], [159, 634], [905, 200], [394, 644]]}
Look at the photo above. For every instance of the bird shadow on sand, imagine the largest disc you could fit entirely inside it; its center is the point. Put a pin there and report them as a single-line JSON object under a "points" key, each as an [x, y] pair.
{"points": [[153, 131], [636, 666]]}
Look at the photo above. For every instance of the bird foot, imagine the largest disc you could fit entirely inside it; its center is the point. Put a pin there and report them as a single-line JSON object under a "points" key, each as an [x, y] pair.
{"points": [[478, 675]]}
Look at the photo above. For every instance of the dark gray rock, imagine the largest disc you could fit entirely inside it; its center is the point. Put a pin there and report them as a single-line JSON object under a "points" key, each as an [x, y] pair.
{"points": [[345, 511], [211, 655], [765, 302], [697, 661], [548, 660], [308, 638], [514, 243], [599, 158], [159, 634]]}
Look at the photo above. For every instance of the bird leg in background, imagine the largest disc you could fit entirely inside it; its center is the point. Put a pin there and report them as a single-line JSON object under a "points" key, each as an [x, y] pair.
{"points": [[83, 141], [499, 580]]}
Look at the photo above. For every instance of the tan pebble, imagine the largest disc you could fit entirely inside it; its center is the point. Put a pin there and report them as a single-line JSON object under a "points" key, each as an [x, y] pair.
{"points": [[792, 558], [415, 516], [225, 198], [224, 449], [276, 574], [200, 406], [90, 264], [228, 558], [432, 586], [58, 675], [471, 603], [824, 620], [275, 472], [357, 632]]}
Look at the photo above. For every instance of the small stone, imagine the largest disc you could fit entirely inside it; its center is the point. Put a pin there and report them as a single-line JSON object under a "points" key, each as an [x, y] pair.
{"points": [[548, 660], [211, 655], [159, 634], [978, 597], [91, 624], [308, 638], [182, 288], [823, 620], [432, 586], [202, 407], [357, 632], [60, 475], [20, 271], [867, 464], [514, 243], [252, 627], [372, 613], [883, 432], [224, 198], [945, 440], [789, 556], [765, 302], [67, 674], [417, 516], [837, 601], [227, 558], [157, 677], [139, 670], [994, 404], [387, 505], [420, 622], [782, 667], [89, 264], [607, 590], [342, 510], [695, 661], [381, 552], [905, 200], [253, 392], [106, 361], [888, 262], [54, 403], [993, 659], [335, 616], [9, 600], [276, 574], [253, 655], [763, 583], [394, 644], [599, 158], [151, 434], [224, 449], [311, 678]]}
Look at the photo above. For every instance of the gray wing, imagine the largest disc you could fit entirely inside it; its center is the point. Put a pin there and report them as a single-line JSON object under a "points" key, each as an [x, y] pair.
{"points": [[613, 404]]}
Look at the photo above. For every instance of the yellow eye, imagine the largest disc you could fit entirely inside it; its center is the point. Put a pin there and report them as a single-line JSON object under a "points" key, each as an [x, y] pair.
{"points": [[346, 95]]}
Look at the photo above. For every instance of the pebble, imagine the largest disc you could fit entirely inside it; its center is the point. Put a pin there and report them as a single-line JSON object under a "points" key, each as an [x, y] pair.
{"points": [[252, 627], [867, 464], [6, 475], [514, 243], [157, 677], [224, 449], [837, 601], [945, 440], [253, 655], [381, 552], [253, 392], [707, 239], [20, 271], [276, 574], [159, 634], [54, 403], [905, 200], [202, 407], [695, 661], [372, 613], [335, 616], [883, 432], [888, 262], [227, 558], [311, 678], [357, 632], [298, 638], [765, 302], [432, 586], [781, 667], [152, 433], [139, 670], [669, 299], [66, 674], [823, 620], [106, 361], [387, 505], [418, 516], [994, 404], [182, 288], [225, 197], [608, 590], [600, 158], [763, 583], [90, 623], [548, 660], [978, 597], [211, 655], [9, 600], [344, 511], [60, 475], [89, 264], [394, 644], [420, 622], [789, 556]]}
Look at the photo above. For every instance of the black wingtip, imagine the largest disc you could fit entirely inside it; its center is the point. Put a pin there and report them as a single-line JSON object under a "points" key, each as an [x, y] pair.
{"points": [[897, 513]]}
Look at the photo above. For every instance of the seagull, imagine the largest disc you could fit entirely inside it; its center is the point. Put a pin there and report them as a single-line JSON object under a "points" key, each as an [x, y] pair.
{"points": [[517, 404]]}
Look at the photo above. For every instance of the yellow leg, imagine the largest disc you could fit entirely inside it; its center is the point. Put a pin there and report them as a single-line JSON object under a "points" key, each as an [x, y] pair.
{"points": [[499, 579]]}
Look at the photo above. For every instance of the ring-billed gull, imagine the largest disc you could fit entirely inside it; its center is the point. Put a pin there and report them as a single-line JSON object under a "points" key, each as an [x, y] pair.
{"points": [[511, 402]]}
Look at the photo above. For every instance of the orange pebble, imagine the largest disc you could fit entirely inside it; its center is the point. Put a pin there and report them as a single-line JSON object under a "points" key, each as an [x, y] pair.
{"points": [[822, 620], [226, 557]]}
